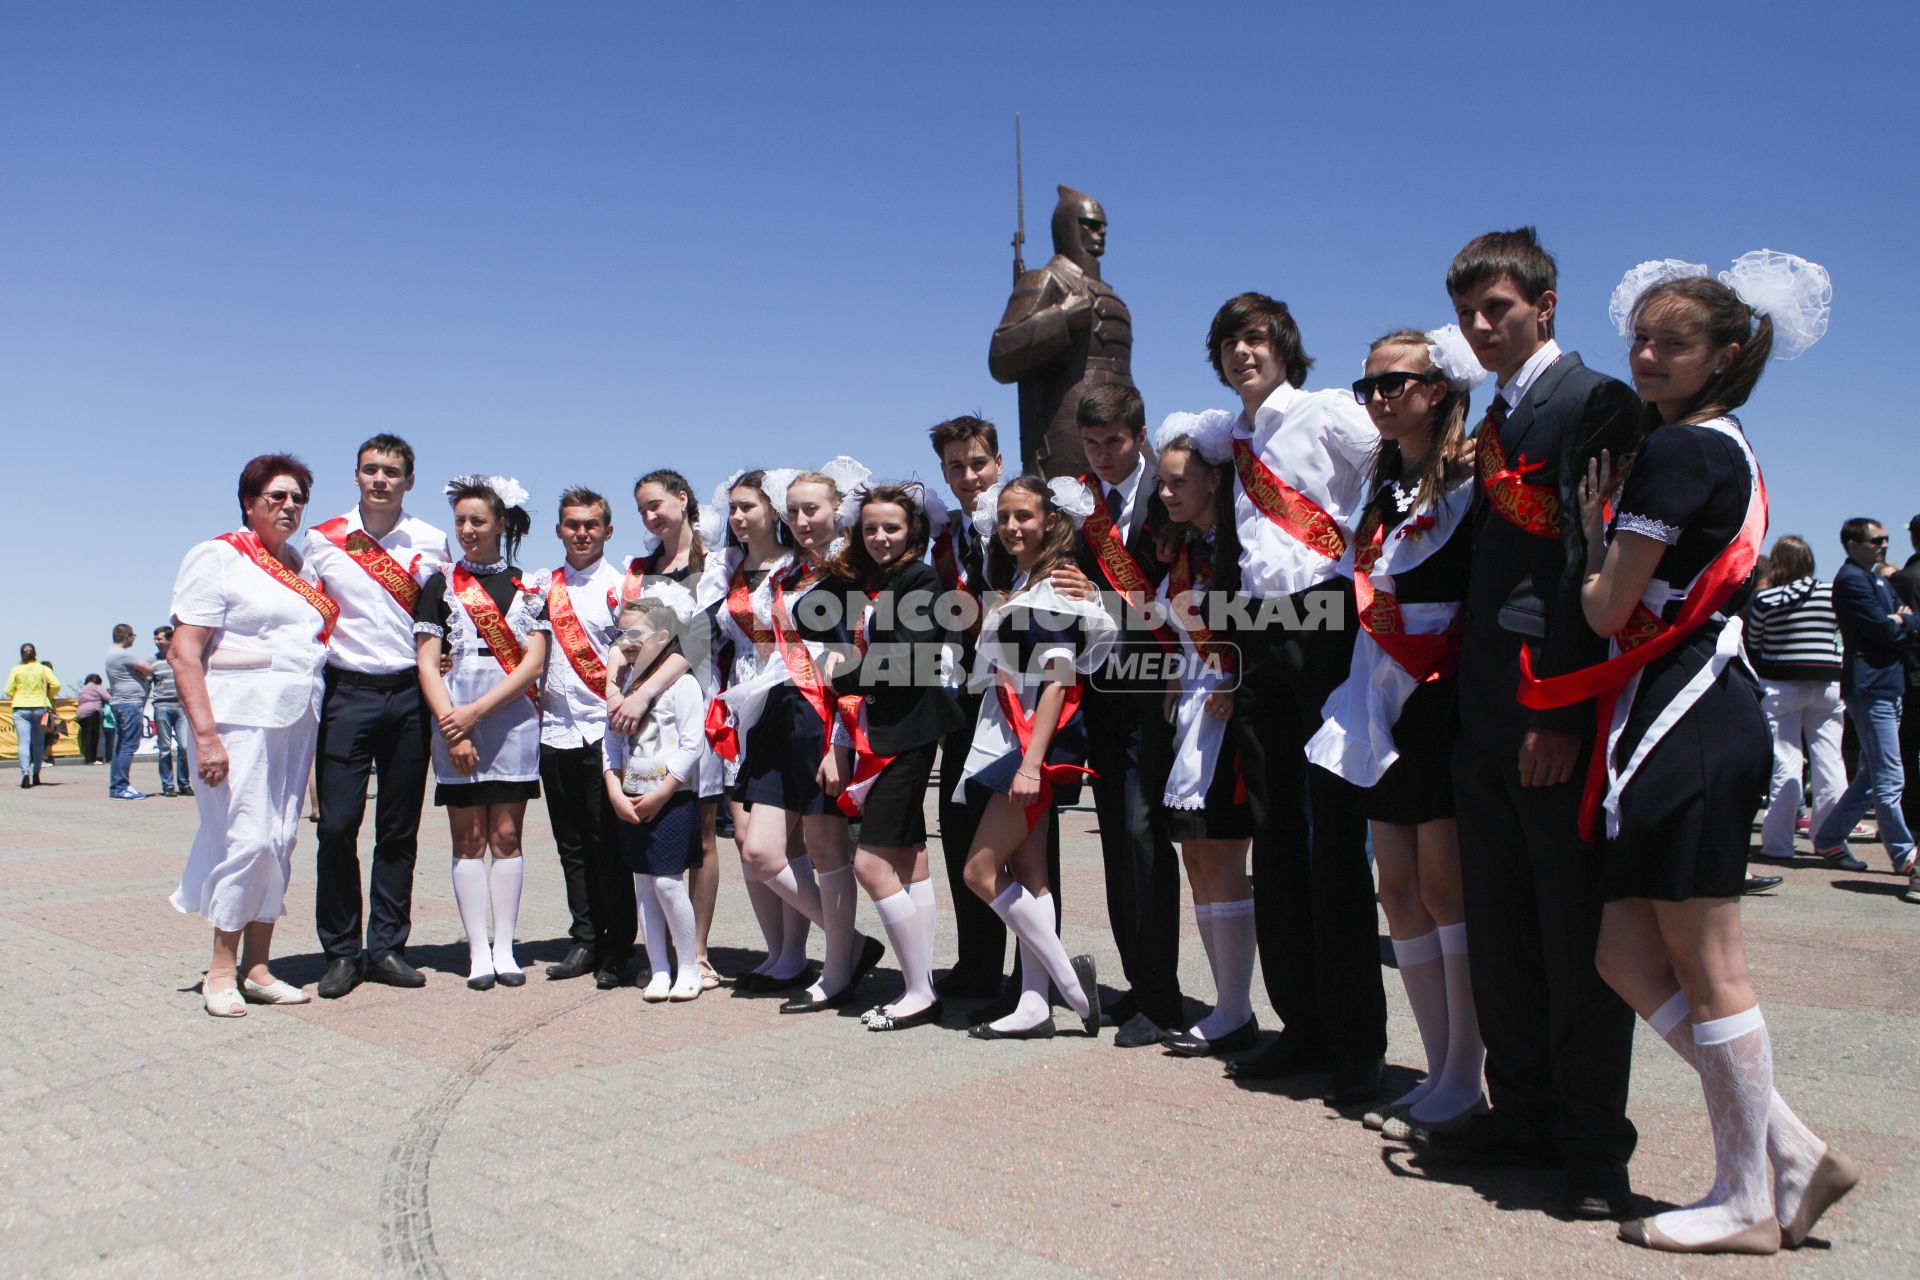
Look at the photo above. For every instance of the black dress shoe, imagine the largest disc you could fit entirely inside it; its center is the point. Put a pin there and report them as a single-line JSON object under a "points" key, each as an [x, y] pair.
{"points": [[1138, 1032], [342, 976], [1090, 988], [624, 973], [1283, 1058], [1488, 1139], [985, 1031], [887, 1022], [1353, 1082], [965, 986], [395, 972], [484, 982], [1760, 884], [1120, 1012], [1598, 1190], [1187, 1045], [578, 963]]}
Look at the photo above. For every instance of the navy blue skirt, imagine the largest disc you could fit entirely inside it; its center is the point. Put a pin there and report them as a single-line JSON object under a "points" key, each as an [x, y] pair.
{"points": [[669, 844]]}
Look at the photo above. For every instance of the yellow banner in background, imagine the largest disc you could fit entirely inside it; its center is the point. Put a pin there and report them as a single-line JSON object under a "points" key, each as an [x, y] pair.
{"points": [[66, 746]]}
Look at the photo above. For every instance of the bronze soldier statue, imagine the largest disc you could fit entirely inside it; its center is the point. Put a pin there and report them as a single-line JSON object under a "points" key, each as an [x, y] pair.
{"points": [[1064, 331]]}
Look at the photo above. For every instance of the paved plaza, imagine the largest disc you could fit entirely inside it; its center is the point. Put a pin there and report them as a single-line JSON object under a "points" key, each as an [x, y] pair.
{"points": [[558, 1130]]}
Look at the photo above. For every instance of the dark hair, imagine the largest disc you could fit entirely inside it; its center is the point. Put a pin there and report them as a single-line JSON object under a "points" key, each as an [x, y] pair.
{"points": [[755, 480], [1448, 431], [1854, 530], [93, 677], [385, 443], [514, 521], [1511, 255], [122, 631], [1056, 550], [673, 482], [1791, 559], [28, 649], [1225, 573], [581, 496], [1271, 317], [658, 616], [855, 563], [965, 427], [255, 475], [1727, 320], [1113, 402], [163, 630]]}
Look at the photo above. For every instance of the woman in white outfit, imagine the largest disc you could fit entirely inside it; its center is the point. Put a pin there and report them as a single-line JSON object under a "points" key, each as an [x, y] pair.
{"points": [[249, 644]]}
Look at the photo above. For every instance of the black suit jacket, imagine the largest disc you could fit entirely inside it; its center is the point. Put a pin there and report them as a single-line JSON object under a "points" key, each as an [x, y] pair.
{"points": [[907, 707], [1144, 522], [1525, 588]]}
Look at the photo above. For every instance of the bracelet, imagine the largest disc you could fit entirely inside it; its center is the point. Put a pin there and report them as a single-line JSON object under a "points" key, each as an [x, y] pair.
{"points": [[1026, 773]]}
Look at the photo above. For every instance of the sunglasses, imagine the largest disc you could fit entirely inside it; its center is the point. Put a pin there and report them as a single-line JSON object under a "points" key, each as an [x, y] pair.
{"points": [[1391, 386], [1880, 541], [634, 637], [283, 498]]}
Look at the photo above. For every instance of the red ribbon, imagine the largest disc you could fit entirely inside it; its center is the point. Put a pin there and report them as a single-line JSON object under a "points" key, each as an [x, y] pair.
{"points": [[1022, 724], [721, 735], [1424, 657]]}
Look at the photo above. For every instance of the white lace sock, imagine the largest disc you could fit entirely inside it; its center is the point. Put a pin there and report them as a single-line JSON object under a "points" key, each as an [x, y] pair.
{"points": [[1233, 945], [1031, 919], [1735, 1061], [654, 921], [470, 894], [677, 906], [901, 915], [1459, 1087], [508, 875], [1033, 1008], [927, 916], [768, 911], [839, 898], [1423, 974], [1793, 1148]]}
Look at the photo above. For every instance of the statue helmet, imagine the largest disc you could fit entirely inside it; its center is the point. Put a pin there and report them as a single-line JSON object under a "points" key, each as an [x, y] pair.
{"points": [[1067, 241]]}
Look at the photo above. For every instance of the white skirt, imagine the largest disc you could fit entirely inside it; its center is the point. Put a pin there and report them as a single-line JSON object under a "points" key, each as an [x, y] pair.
{"points": [[242, 855]]}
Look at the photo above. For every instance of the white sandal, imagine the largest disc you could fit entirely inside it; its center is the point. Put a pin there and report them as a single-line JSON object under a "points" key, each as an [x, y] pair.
{"points": [[224, 1004], [275, 992]]}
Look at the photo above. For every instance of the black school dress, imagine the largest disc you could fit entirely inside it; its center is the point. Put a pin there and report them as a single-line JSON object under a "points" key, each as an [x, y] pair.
{"points": [[1686, 814], [785, 746], [508, 741], [1418, 786]]}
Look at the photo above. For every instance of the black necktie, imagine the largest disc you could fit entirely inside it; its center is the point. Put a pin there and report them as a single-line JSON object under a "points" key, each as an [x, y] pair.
{"points": [[1114, 503], [1497, 413]]}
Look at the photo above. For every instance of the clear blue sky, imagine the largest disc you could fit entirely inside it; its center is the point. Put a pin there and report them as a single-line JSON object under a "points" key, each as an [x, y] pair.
{"points": [[574, 241]]}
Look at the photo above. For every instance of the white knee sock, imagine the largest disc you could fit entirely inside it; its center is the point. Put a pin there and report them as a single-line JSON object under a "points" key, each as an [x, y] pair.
{"points": [[677, 906], [1203, 921], [1032, 919], [646, 895], [470, 894], [803, 895], [1233, 947], [839, 897], [927, 915], [1793, 1148], [1458, 1089], [507, 876], [768, 911], [1423, 974], [1033, 1008], [902, 917], [1735, 1060], [795, 926]]}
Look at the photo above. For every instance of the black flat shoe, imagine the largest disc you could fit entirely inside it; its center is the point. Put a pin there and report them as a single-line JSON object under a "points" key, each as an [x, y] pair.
{"points": [[342, 976], [482, 983], [512, 979], [578, 963], [1280, 1060], [871, 951], [1354, 1082], [887, 1022], [1089, 987], [1187, 1045], [1138, 1032], [392, 971], [802, 1004], [1760, 884], [766, 984], [985, 1031]]}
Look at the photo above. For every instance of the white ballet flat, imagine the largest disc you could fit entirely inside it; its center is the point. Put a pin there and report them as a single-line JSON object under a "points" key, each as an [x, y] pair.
{"points": [[686, 990], [661, 988], [224, 1004], [275, 992]]}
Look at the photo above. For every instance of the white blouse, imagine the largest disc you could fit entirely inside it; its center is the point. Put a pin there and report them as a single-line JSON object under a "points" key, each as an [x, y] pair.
{"points": [[264, 662]]}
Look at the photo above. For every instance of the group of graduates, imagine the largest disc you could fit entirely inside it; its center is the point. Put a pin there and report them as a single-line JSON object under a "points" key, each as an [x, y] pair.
{"points": [[1499, 653]]}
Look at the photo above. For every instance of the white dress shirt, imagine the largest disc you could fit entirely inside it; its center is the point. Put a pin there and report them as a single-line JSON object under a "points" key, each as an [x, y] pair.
{"points": [[264, 659], [1537, 363], [1321, 443], [375, 634], [571, 714]]}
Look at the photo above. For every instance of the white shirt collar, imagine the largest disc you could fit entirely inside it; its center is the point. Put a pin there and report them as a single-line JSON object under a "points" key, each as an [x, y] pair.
{"points": [[1281, 396], [581, 575], [356, 521], [1530, 372], [1131, 485]]}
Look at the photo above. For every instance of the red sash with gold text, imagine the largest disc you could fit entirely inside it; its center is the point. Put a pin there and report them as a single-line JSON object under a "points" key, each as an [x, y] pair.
{"points": [[571, 635], [1528, 508], [868, 764], [488, 621], [799, 662], [1022, 725], [360, 547], [248, 545], [1180, 602], [1424, 657], [1286, 506], [1117, 565]]}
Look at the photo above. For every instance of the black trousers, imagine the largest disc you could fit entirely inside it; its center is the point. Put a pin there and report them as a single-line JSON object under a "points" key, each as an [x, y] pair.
{"points": [[1313, 901], [1909, 756], [90, 740], [1142, 868], [599, 887], [1559, 1041], [367, 722]]}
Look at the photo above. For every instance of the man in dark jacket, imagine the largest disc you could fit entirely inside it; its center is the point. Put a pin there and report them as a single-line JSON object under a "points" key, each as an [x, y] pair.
{"points": [[1874, 627]]}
